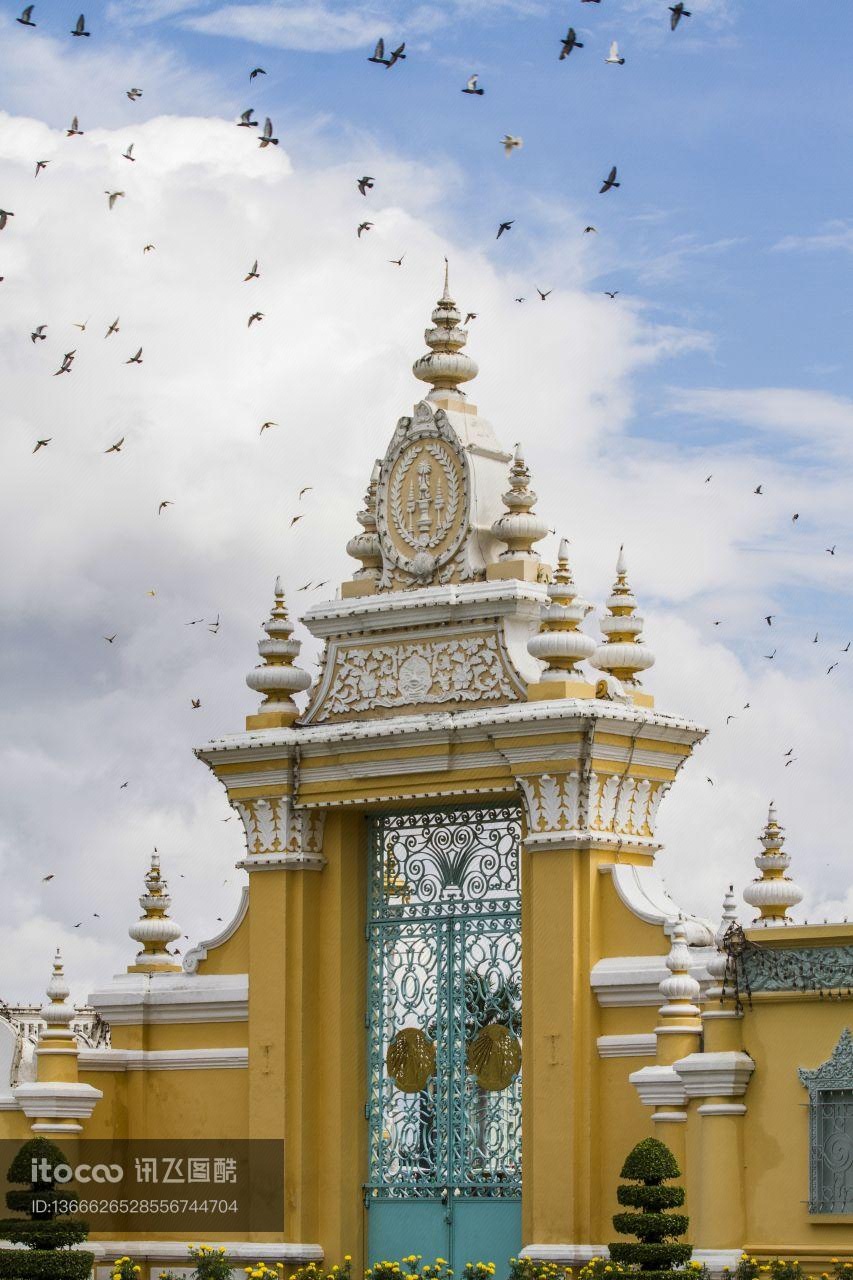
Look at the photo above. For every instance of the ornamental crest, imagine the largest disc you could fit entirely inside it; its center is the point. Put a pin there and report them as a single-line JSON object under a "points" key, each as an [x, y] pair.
{"points": [[423, 503]]}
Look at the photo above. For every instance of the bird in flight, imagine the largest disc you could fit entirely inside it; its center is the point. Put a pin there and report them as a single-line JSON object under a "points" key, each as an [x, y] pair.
{"points": [[587, 230], [519, 299], [613, 56], [830, 551], [80, 27], [165, 503], [122, 787], [544, 295], [49, 877], [67, 361], [306, 488], [295, 519], [214, 626], [39, 332], [75, 131], [116, 448], [128, 155], [195, 703], [510, 143], [255, 72], [611, 293], [378, 54], [731, 717], [246, 121], [770, 656], [396, 55], [769, 619], [471, 87], [829, 670], [472, 315], [365, 184], [256, 315], [41, 164], [570, 42], [677, 12], [26, 17], [42, 444], [266, 425], [505, 226], [759, 489], [110, 639], [846, 648], [134, 94], [113, 196], [363, 226], [254, 273], [789, 752], [397, 262], [146, 248], [795, 517], [266, 139], [113, 327], [609, 181], [81, 327], [137, 359]]}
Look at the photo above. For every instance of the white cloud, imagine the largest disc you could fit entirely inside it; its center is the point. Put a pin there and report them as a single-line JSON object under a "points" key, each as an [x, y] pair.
{"points": [[806, 416], [837, 234]]}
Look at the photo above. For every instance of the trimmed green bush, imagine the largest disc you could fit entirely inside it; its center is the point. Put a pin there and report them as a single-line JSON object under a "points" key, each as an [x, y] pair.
{"points": [[47, 1239], [655, 1250]]}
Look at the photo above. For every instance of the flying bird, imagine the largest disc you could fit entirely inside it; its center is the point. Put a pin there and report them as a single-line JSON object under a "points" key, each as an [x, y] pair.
{"points": [[256, 315], [830, 551], [587, 230], [42, 444], [795, 517], [769, 618], [41, 164], [396, 55], [608, 293], [472, 315], [365, 184], [75, 131], [254, 273], [257, 71], [246, 121], [165, 503], [128, 155], [759, 489], [50, 877], [471, 87], [26, 17], [134, 94], [80, 27], [378, 54], [137, 359], [295, 519], [214, 626], [195, 703], [81, 327], [266, 139], [505, 226], [544, 295], [67, 361], [113, 196], [39, 332], [609, 181], [113, 327], [613, 56], [570, 42], [519, 299], [846, 648], [146, 248], [509, 143], [116, 448], [732, 717], [122, 787], [306, 488], [770, 656], [110, 639], [677, 12], [829, 670], [266, 425], [363, 226], [397, 262]]}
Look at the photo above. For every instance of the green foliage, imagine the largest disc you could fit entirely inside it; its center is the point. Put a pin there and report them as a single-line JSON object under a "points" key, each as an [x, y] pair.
{"points": [[53, 1233], [44, 1264], [841, 1270], [315, 1271], [47, 1237], [387, 1270], [529, 1269], [20, 1170], [600, 1269], [655, 1250], [210, 1263], [750, 1268]]}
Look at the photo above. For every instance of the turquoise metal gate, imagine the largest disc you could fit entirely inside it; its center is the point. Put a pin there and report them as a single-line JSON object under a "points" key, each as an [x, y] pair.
{"points": [[444, 1028]]}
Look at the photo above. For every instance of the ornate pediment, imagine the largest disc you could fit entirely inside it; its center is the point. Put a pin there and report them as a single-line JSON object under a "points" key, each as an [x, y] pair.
{"points": [[836, 1072]]}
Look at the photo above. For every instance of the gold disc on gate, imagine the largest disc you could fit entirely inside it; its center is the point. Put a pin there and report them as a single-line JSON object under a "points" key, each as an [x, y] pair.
{"points": [[410, 1060], [494, 1057]]}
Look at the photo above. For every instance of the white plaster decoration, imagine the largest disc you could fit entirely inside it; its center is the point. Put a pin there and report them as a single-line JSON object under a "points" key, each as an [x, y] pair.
{"points": [[566, 1255], [58, 1100], [711, 1075], [133, 998], [163, 1059], [274, 826], [644, 893], [659, 1086], [237, 1250], [552, 804], [635, 1045], [613, 806], [196, 954], [722, 1109], [626, 981], [465, 668], [718, 1261]]}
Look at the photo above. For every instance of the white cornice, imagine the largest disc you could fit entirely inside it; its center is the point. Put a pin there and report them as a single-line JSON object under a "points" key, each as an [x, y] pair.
{"points": [[163, 1059], [658, 1086], [644, 893], [427, 606], [173, 997], [196, 954], [715, 1075], [635, 980], [59, 1100], [640, 1045]]}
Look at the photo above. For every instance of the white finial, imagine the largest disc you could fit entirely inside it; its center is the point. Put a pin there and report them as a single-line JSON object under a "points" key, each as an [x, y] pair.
{"points": [[278, 589], [446, 365], [772, 892], [621, 565], [278, 679], [366, 546], [622, 654], [155, 930], [57, 1012], [563, 550], [519, 527], [680, 990], [719, 962], [558, 642]]}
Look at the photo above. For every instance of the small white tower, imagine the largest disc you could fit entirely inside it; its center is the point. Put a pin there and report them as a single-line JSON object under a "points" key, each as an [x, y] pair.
{"points": [[155, 930], [623, 654], [277, 678], [772, 892], [559, 642]]}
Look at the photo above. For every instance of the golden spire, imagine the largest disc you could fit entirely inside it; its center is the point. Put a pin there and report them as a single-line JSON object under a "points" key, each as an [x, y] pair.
{"points": [[773, 892], [154, 929], [445, 365], [278, 679], [623, 654], [559, 642]]}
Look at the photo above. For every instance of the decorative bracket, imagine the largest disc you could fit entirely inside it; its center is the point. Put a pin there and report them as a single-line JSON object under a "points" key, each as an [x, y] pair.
{"points": [[280, 835]]}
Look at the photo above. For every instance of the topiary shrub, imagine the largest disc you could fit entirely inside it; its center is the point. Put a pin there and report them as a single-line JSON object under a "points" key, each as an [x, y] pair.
{"points": [[47, 1237], [655, 1252]]}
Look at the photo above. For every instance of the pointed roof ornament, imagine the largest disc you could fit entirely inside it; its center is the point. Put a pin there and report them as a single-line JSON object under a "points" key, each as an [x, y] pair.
{"points": [[57, 1012], [277, 678], [719, 962], [155, 930], [519, 527], [772, 892], [679, 1012], [559, 642], [445, 365], [365, 546], [623, 654]]}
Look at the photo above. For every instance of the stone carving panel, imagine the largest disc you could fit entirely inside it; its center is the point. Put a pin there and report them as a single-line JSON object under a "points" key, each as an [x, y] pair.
{"points": [[619, 804], [274, 826]]}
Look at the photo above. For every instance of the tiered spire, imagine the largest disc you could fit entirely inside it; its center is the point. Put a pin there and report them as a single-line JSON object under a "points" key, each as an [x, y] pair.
{"points": [[445, 365], [719, 962], [365, 546], [57, 1012], [559, 642], [520, 527], [155, 930], [277, 679], [681, 991], [623, 654], [772, 892]]}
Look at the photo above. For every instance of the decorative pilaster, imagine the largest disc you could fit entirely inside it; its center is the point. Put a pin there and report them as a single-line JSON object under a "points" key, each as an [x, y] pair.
{"points": [[277, 679], [279, 835], [623, 655], [772, 892], [559, 642], [365, 546], [57, 1101], [519, 528], [154, 929]]}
